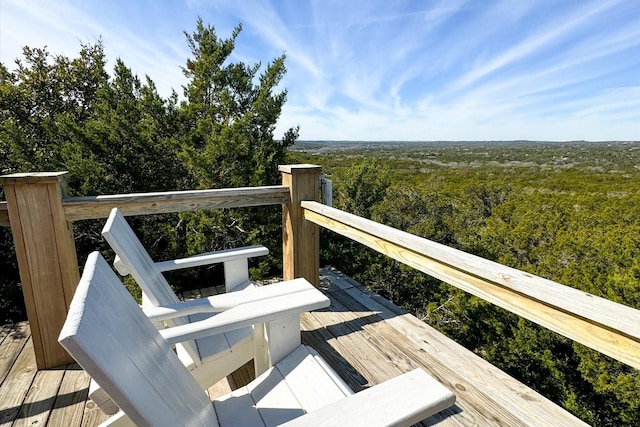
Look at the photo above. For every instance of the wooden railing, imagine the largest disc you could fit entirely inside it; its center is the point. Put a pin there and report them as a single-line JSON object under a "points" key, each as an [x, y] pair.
{"points": [[40, 216], [608, 327]]}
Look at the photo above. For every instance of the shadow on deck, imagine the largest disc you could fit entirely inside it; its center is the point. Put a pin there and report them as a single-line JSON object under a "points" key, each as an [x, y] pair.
{"points": [[364, 337]]}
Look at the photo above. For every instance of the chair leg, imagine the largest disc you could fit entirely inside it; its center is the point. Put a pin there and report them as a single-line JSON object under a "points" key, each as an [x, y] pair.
{"points": [[274, 341], [283, 337], [260, 349]]}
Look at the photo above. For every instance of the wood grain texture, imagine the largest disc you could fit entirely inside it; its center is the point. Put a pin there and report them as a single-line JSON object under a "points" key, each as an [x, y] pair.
{"points": [[33, 178], [606, 326], [40, 398], [242, 376], [47, 259], [220, 388], [69, 405], [16, 385], [77, 208], [300, 239], [14, 340], [92, 416], [364, 366], [486, 395]]}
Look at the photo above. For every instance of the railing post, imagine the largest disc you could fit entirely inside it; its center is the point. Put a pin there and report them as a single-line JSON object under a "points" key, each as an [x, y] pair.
{"points": [[300, 238], [46, 255]]}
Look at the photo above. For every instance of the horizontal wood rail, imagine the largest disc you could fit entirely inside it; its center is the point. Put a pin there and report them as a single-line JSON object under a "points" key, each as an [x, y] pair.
{"points": [[93, 207], [78, 208], [603, 325]]}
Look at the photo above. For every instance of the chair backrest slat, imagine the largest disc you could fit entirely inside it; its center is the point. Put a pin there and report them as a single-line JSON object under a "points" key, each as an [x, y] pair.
{"points": [[126, 244], [123, 240], [134, 365]]}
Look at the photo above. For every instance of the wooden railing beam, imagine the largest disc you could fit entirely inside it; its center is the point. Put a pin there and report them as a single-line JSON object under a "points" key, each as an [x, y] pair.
{"points": [[603, 325], [94, 207], [79, 208]]}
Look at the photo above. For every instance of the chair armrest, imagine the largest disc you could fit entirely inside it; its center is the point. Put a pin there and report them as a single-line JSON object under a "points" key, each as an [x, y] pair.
{"points": [[202, 259], [223, 302], [401, 401], [306, 298]]}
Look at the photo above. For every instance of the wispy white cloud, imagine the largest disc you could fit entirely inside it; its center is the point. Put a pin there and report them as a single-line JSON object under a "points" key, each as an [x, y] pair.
{"points": [[262, 18], [439, 69], [549, 33], [62, 27]]}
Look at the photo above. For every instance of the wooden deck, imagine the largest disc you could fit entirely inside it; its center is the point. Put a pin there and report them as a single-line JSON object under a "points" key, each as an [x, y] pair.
{"points": [[364, 337]]}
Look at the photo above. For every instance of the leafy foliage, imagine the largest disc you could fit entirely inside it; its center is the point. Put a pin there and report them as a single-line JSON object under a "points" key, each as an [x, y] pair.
{"points": [[567, 212], [115, 134], [226, 134]]}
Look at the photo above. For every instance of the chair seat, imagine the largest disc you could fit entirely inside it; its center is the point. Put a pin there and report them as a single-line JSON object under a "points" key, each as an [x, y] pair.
{"points": [[302, 382], [217, 346], [229, 350], [214, 347]]}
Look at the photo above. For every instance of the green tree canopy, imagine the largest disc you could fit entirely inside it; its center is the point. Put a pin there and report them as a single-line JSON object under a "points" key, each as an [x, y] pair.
{"points": [[116, 134]]}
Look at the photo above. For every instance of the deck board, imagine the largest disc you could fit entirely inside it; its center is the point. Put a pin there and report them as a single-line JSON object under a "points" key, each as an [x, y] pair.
{"points": [[40, 398], [16, 384], [486, 395], [364, 337], [15, 337], [69, 406]]}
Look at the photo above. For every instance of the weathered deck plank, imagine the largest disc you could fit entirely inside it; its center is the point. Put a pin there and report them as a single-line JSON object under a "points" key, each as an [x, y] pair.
{"points": [[92, 416], [481, 388], [40, 398], [364, 337], [14, 338], [69, 406], [16, 385]]}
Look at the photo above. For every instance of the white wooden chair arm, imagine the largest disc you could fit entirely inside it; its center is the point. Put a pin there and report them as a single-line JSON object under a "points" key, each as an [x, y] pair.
{"points": [[401, 401], [223, 302], [251, 313], [201, 259]]}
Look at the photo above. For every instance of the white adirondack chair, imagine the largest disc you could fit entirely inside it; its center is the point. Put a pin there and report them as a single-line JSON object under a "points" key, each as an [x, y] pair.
{"points": [[210, 358], [112, 339]]}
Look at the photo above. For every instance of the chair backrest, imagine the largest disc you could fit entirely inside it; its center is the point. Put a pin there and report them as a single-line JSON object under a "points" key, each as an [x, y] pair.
{"points": [[128, 247], [111, 338]]}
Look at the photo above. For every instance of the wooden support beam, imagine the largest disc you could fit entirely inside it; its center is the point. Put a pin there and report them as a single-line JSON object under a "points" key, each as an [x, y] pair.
{"points": [[91, 207], [46, 257], [300, 238], [605, 326]]}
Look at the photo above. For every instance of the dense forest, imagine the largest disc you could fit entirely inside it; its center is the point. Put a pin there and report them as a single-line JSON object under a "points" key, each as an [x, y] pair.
{"points": [[567, 212]]}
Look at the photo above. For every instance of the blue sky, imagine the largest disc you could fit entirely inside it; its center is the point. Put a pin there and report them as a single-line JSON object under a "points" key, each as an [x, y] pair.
{"points": [[385, 70]]}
